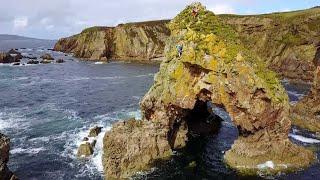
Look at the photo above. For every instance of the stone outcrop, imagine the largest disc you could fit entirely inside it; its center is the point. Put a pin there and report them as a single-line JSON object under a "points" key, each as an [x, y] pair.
{"points": [[47, 57], [143, 41], [214, 67], [9, 58], [86, 148], [5, 173], [94, 132], [306, 113]]}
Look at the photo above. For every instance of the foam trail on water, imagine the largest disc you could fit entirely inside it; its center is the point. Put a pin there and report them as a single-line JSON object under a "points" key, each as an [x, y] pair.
{"points": [[304, 139]]}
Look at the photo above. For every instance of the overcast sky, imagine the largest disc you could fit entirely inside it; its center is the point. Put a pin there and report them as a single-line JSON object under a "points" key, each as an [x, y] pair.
{"points": [[53, 19]]}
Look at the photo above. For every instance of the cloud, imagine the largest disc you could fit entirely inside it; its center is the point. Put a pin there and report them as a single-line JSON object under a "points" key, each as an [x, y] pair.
{"points": [[20, 22], [222, 9], [61, 18]]}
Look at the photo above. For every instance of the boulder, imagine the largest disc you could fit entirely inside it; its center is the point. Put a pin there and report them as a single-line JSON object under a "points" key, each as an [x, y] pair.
{"points": [[214, 67], [60, 61], [47, 57], [94, 132], [85, 150], [6, 58], [14, 53], [16, 64]]}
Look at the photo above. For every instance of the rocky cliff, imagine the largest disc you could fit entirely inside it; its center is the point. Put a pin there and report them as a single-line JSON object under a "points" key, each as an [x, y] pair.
{"points": [[286, 41], [214, 67], [143, 41], [5, 173], [306, 113]]}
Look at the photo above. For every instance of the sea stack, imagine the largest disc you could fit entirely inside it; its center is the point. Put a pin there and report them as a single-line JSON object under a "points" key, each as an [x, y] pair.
{"points": [[214, 67]]}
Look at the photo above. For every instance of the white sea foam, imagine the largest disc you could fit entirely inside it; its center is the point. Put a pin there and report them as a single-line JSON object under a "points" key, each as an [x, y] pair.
{"points": [[100, 63], [9, 120], [304, 139], [268, 164], [97, 156], [27, 150]]}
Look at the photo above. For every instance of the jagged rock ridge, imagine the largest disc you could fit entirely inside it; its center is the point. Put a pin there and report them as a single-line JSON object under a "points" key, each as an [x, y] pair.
{"points": [[214, 67]]}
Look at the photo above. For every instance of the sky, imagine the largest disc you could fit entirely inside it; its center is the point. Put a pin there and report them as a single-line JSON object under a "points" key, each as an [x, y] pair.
{"points": [[54, 19]]}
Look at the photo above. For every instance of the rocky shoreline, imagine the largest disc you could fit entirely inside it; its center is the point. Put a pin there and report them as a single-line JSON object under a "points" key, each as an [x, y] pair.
{"points": [[15, 58]]}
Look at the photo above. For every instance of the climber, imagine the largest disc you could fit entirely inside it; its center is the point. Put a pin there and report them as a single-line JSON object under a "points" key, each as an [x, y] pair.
{"points": [[179, 49], [194, 12]]}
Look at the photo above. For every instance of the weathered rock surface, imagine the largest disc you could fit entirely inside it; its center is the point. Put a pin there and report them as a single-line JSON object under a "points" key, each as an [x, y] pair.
{"points": [[7, 58], [94, 132], [15, 54], [47, 57], [142, 41], [306, 113], [133, 146], [214, 67], [85, 150], [5, 173]]}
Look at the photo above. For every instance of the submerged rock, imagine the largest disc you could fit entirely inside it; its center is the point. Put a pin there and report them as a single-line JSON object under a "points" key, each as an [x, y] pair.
{"points": [[47, 57], [214, 67], [306, 113]]}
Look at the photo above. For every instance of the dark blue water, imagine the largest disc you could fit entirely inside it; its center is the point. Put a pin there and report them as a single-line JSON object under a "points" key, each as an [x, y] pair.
{"points": [[46, 110]]}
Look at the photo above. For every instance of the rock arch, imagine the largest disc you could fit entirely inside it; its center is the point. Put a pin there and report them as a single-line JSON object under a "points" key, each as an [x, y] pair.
{"points": [[214, 67]]}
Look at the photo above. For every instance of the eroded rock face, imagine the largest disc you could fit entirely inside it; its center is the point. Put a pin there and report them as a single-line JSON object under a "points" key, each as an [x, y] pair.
{"points": [[214, 67], [143, 41], [306, 113], [133, 146], [286, 41], [7, 58], [5, 173]]}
